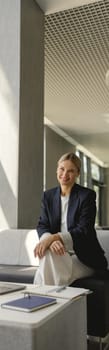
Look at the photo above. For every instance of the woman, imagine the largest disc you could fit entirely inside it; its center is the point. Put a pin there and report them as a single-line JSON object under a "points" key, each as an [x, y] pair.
{"points": [[68, 248]]}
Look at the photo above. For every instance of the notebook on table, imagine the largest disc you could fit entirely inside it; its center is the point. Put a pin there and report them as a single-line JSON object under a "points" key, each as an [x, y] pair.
{"points": [[29, 303], [10, 287]]}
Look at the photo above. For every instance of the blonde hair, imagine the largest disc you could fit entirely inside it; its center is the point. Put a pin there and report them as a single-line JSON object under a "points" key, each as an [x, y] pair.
{"points": [[73, 158]]}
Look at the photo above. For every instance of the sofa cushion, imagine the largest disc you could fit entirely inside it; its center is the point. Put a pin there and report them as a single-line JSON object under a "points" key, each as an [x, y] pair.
{"points": [[29, 240], [10, 241], [16, 247]]}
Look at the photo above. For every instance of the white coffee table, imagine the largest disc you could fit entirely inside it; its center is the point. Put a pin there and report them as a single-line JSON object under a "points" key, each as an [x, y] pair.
{"points": [[62, 326]]}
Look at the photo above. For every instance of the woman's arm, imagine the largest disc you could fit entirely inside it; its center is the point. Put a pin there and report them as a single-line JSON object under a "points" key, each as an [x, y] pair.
{"points": [[47, 240], [83, 231], [52, 242], [85, 216]]}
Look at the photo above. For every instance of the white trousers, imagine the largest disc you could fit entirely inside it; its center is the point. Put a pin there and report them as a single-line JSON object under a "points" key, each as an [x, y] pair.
{"points": [[58, 270]]}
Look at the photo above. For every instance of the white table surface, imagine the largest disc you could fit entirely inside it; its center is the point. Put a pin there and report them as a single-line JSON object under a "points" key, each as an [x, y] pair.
{"points": [[60, 326], [31, 318]]}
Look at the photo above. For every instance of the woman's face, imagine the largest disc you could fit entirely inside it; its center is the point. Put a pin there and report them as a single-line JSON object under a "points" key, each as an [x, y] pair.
{"points": [[67, 173]]}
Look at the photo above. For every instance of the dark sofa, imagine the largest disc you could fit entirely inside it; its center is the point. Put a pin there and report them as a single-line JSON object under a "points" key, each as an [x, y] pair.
{"points": [[98, 300]]}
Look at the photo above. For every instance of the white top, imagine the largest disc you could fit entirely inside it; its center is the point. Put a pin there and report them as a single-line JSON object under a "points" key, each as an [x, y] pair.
{"points": [[64, 234], [64, 209]]}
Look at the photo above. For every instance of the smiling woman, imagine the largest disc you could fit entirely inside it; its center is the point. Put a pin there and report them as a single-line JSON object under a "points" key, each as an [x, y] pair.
{"points": [[66, 229], [67, 172]]}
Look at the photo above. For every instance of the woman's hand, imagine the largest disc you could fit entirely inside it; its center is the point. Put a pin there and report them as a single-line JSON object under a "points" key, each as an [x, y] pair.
{"points": [[41, 247], [53, 242], [57, 247]]}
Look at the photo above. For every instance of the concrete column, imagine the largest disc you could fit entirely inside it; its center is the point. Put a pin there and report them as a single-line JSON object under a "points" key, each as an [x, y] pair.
{"points": [[89, 176], [21, 112]]}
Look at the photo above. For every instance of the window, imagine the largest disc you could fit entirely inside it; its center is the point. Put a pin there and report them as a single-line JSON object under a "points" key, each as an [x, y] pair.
{"points": [[85, 169], [97, 181], [95, 169], [92, 176], [97, 190]]}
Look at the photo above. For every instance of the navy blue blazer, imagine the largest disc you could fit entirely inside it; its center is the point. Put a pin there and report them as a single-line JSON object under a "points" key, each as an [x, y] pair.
{"points": [[80, 222]]}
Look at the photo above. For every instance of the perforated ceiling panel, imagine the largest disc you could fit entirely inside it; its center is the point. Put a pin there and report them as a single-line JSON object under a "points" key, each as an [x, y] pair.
{"points": [[76, 62]]}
